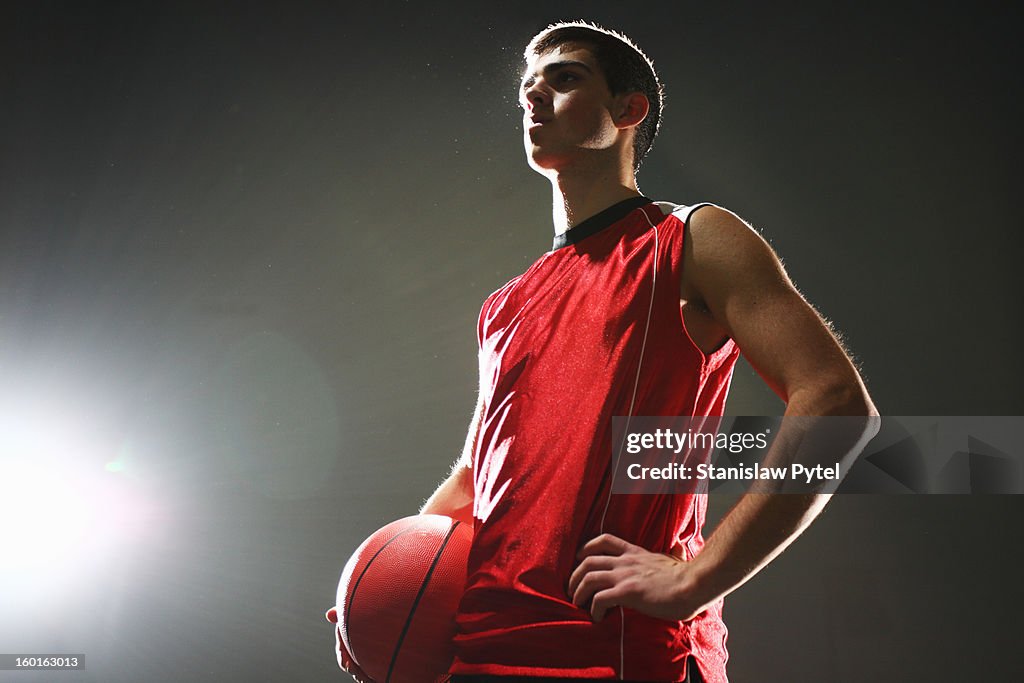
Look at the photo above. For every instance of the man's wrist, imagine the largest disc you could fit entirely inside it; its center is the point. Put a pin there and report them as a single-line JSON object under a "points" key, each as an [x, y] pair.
{"points": [[696, 588]]}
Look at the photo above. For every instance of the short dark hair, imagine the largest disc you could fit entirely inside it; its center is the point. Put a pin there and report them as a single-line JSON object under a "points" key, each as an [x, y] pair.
{"points": [[626, 69]]}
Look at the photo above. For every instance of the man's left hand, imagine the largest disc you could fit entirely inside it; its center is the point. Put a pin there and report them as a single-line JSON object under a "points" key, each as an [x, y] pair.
{"points": [[615, 573]]}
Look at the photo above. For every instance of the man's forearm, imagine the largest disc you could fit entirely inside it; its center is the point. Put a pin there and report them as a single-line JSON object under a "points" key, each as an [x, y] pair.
{"points": [[764, 521], [454, 497]]}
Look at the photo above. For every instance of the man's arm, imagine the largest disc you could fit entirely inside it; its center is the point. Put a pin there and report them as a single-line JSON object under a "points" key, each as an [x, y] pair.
{"points": [[454, 497], [741, 282]]}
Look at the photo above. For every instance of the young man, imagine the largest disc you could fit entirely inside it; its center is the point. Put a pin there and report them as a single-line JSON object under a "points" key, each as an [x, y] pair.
{"points": [[640, 308]]}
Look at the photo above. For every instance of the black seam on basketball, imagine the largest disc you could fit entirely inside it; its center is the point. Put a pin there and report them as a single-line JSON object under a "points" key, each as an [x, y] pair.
{"points": [[416, 602], [355, 587]]}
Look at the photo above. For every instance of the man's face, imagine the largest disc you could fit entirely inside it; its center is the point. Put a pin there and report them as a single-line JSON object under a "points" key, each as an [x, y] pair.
{"points": [[567, 107]]}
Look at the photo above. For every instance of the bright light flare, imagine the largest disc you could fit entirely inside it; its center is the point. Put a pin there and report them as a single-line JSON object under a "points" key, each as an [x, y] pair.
{"points": [[62, 512], [55, 514]]}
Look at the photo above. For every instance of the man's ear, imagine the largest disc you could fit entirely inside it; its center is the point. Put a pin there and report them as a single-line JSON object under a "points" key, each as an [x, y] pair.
{"points": [[632, 110]]}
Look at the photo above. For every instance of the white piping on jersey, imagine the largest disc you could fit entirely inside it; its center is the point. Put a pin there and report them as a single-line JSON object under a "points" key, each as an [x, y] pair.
{"points": [[639, 365], [683, 214], [618, 455]]}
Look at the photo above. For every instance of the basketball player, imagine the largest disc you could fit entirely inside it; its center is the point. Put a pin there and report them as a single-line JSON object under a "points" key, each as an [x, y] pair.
{"points": [[640, 308]]}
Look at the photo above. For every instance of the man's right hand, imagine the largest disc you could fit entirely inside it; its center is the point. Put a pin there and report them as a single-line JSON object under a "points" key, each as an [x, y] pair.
{"points": [[345, 660]]}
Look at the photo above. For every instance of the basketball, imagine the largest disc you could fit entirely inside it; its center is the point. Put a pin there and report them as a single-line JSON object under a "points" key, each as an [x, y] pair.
{"points": [[398, 595]]}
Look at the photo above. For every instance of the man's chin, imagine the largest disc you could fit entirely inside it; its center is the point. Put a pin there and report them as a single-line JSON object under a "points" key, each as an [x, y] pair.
{"points": [[543, 162]]}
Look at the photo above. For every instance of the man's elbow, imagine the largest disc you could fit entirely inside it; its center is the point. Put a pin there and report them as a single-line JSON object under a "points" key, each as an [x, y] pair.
{"points": [[850, 399], [841, 397], [836, 420]]}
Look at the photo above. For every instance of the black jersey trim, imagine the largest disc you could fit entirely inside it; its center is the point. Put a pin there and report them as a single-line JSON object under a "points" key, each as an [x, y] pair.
{"points": [[598, 222]]}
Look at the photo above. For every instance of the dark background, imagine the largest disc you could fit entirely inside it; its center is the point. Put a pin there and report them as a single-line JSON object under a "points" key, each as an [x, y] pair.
{"points": [[247, 244]]}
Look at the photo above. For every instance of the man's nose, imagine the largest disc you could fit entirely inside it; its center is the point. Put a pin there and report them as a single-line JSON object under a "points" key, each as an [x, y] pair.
{"points": [[535, 97]]}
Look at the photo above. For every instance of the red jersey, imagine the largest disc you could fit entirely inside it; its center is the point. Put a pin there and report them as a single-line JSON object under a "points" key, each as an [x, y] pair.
{"points": [[593, 329]]}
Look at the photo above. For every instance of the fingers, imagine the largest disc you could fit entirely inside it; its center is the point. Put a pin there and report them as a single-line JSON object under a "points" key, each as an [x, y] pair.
{"points": [[590, 564], [592, 584], [345, 660], [606, 600], [595, 580]]}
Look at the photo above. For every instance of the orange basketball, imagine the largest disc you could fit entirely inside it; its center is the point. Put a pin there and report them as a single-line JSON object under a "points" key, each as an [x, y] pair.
{"points": [[398, 595]]}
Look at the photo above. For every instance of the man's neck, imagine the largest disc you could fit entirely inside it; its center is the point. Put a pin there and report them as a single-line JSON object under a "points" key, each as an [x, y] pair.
{"points": [[578, 195]]}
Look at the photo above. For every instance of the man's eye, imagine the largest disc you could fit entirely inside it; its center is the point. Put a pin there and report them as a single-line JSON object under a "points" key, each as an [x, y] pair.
{"points": [[566, 77]]}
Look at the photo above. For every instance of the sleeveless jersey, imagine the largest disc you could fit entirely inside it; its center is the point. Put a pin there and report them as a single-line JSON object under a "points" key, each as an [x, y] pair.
{"points": [[593, 329]]}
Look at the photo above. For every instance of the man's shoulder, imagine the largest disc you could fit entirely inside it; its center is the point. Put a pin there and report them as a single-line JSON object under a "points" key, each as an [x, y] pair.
{"points": [[710, 223]]}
